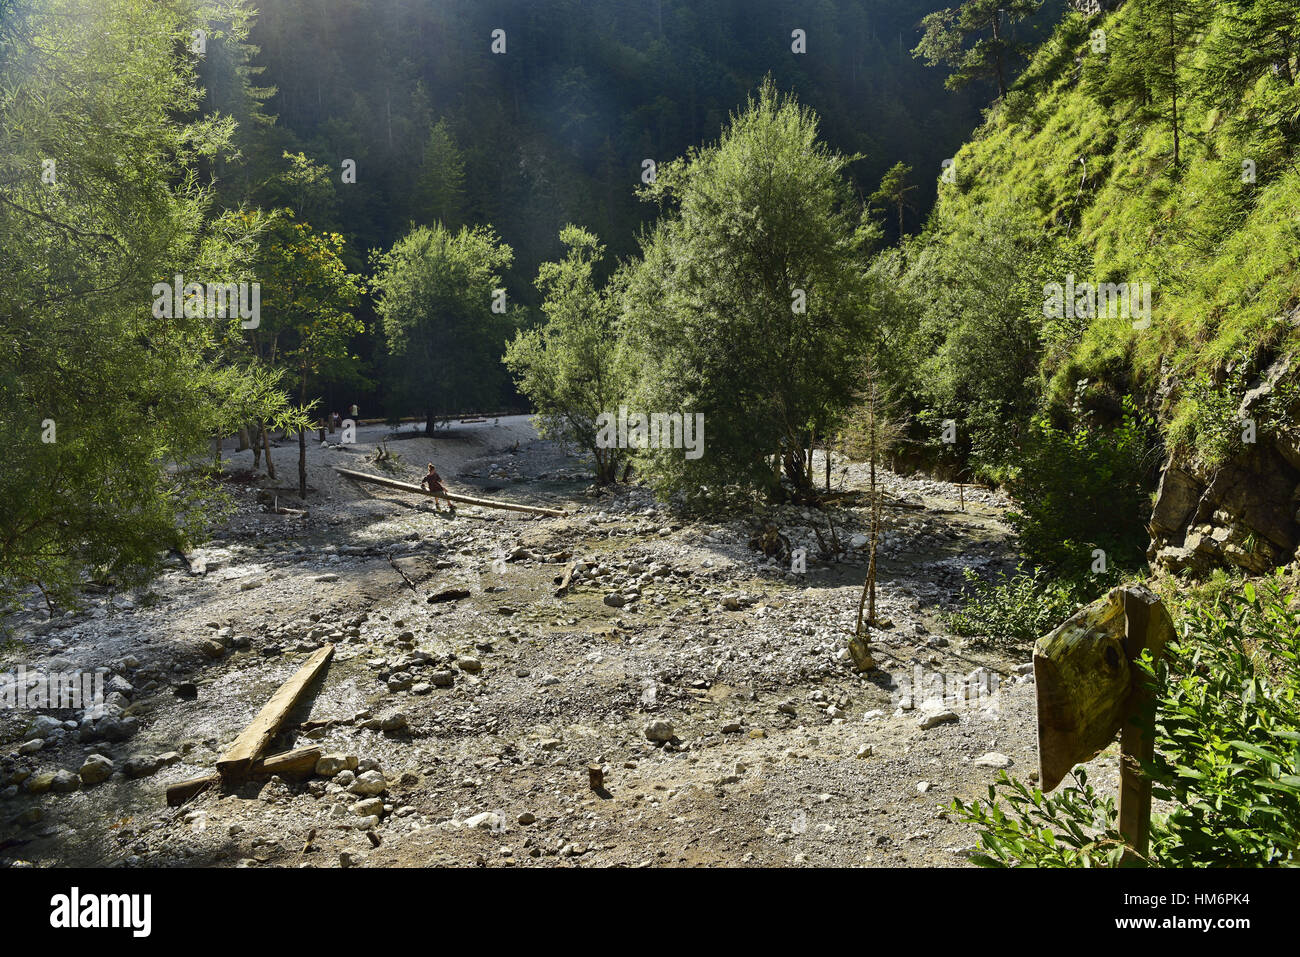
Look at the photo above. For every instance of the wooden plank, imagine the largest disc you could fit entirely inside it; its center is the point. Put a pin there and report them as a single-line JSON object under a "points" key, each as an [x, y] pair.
{"points": [[1147, 625], [248, 747], [450, 496], [1082, 681], [301, 761]]}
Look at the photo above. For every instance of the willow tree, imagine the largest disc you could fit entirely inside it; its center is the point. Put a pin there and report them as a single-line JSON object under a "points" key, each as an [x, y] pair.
{"points": [[108, 411], [749, 302]]}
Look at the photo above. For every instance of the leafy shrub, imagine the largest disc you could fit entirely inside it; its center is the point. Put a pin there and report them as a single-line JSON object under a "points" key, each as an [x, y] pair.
{"points": [[1229, 729], [1012, 609], [1227, 754], [1081, 489], [1073, 828]]}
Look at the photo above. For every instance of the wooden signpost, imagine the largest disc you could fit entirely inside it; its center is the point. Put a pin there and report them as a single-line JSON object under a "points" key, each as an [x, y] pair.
{"points": [[1089, 689]]}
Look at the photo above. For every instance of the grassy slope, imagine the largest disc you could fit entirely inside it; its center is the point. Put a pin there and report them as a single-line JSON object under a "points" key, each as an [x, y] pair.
{"points": [[1221, 255]]}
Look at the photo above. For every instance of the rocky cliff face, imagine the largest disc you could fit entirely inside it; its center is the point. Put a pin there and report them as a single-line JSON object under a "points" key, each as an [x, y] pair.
{"points": [[1244, 513]]}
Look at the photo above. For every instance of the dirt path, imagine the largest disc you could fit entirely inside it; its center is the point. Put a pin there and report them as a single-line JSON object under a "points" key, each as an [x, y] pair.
{"points": [[483, 714]]}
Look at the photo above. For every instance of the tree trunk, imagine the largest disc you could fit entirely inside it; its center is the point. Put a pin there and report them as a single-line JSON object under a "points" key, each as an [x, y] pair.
{"points": [[243, 440], [302, 463], [266, 448]]}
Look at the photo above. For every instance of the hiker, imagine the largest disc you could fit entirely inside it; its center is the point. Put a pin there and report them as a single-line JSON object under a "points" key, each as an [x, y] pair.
{"points": [[433, 481], [355, 411]]}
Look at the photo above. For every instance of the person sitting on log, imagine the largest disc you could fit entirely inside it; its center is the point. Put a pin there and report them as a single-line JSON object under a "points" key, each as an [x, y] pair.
{"points": [[433, 482]]}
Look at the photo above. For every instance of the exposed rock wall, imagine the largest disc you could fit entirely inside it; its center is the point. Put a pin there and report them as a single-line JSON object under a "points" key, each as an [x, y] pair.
{"points": [[1244, 513]]}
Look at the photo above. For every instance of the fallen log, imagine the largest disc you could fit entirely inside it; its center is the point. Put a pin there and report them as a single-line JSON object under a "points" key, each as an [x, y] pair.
{"points": [[299, 762], [449, 496], [248, 747]]}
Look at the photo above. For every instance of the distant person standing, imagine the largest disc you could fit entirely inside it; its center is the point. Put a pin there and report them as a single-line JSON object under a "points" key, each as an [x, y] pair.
{"points": [[433, 482], [355, 411]]}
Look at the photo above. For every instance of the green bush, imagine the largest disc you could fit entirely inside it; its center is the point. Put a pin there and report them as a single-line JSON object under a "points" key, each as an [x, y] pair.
{"points": [[1012, 609], [1227, 755], [1229, 728], [1081, 489]]}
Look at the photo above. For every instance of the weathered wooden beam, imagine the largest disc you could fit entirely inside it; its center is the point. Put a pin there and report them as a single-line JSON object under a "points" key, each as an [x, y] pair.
{"points": [[1147, 626], [1081, 673], [248, 747], [449, 496], [299, 762]]}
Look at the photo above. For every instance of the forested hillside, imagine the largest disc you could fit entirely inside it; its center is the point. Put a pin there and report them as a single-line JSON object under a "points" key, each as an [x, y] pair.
{"points": [[1152, 145], [557, 125]]}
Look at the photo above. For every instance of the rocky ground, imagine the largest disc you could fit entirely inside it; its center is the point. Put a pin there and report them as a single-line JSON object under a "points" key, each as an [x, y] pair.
{"points": [[466, 705]]}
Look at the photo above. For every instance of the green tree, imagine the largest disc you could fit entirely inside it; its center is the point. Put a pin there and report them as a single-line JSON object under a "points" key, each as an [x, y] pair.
{"points": [[892, 194], [440, 191], [437, 291], [749, 305], [986, 25], [569, 367], [308, 299], [109, 409]]}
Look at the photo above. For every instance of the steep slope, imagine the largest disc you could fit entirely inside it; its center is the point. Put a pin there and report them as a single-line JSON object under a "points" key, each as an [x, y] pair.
{"points": [[1154, 144]]}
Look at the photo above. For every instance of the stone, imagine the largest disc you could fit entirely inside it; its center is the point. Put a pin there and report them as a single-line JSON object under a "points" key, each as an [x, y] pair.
{"points": [[442, 679], [43, 726], [1176, 499], [488, 821], [95, 769], [370, 806], [993, 759], [369, 784], [659, 730], [141, 765], [615, 600], [64, 781], [933, 719], [469, 663], [331, 764]]}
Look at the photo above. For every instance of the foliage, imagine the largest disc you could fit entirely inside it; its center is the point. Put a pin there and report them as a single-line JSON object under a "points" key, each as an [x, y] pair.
{"points": [[1229, 727], [994, 50], [1084, 488], [1227, 753], [749, 304], [1015, 609], [1075, 827], [569, 367], [435, 295], [106, 407]]}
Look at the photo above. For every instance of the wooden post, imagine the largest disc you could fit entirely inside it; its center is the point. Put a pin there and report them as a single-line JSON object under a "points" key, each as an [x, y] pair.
{"points": [[1089, 688], [1137, 740]]}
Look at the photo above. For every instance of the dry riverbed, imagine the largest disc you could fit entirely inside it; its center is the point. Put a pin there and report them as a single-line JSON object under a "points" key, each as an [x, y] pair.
{"points": [[711, 687]]}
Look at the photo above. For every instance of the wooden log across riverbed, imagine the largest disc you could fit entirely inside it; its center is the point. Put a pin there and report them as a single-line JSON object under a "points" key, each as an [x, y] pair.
{"points": [[450, 496]]}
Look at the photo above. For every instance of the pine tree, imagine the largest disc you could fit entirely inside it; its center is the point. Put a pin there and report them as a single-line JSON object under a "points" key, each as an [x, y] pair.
{"points": [[986, 25]]}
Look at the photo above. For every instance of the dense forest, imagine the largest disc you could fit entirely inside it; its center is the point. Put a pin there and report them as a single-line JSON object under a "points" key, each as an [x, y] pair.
{"points": [[555, 124], [1041, 248]]}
